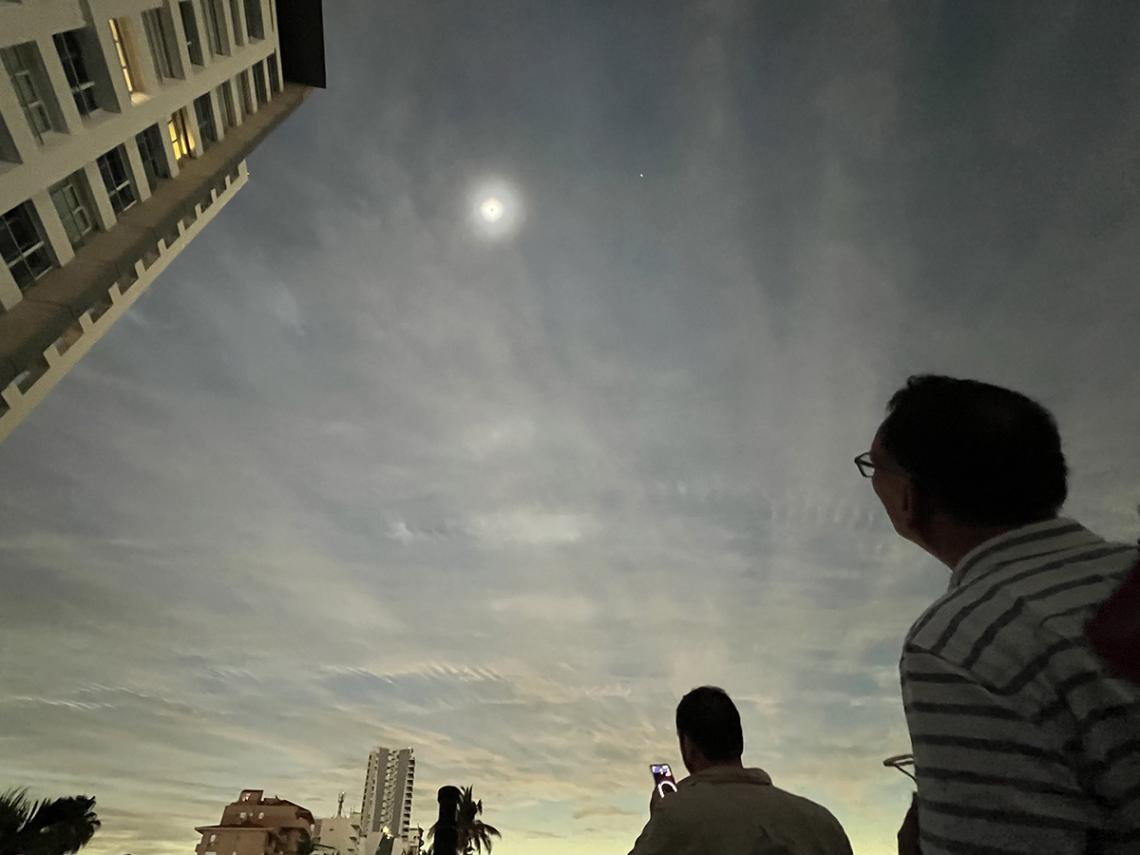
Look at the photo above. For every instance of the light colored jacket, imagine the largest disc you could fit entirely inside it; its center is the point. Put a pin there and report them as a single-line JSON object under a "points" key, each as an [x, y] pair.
{"points": [[727, 810]]}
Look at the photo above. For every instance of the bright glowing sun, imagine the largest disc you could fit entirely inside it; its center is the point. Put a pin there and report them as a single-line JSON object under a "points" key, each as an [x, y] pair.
{"points": [[491, 210], [496, 209]]}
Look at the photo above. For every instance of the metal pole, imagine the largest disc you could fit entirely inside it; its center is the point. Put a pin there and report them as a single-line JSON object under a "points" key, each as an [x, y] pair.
{"points": [[447, 826]]}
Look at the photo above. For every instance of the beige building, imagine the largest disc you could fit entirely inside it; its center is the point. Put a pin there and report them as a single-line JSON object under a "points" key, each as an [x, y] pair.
{"points": [[124, 128], [255, 825], [387, 804], [339, 835]]}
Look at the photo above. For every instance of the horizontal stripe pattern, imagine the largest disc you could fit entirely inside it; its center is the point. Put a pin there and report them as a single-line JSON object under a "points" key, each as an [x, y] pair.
{"points": [[1022, 742]]}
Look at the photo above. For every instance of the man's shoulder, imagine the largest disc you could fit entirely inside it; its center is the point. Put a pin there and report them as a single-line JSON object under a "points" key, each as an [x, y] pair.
{"points": [[806, 808], [750, 794], [1029, 595]]}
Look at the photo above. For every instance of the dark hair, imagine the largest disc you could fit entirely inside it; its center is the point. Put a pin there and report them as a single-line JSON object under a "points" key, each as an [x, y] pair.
{"points": [[709, 718], [982, 454]]}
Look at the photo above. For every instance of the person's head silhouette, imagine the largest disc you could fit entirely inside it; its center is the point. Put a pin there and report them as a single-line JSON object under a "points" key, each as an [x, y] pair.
{"points": [[708, 728], [957, 462]]}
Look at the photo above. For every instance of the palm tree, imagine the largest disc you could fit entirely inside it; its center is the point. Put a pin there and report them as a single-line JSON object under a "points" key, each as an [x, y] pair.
{"points": [[474, 834], [49, 827]]}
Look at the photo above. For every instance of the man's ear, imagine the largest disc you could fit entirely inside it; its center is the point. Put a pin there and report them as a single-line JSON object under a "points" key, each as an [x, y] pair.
{"points": [[913, 507]]}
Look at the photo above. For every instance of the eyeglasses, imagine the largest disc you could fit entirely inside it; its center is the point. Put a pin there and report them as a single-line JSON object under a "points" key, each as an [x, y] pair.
{"points": [[867, 466], [900, 762]]}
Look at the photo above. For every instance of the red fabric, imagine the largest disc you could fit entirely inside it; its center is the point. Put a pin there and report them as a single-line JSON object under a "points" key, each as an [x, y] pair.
{"points": [[1114, 631]]}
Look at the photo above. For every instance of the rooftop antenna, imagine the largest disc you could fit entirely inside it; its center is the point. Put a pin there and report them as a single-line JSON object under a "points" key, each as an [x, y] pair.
{"points": [[339, 803]]}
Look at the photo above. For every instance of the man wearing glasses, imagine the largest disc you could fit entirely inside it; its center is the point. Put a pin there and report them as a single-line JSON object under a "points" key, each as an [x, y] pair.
{"points": [[1024, 742]]}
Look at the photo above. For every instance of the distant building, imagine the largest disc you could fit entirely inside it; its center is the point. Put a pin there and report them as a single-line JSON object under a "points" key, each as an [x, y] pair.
{"points": [[124, 129], [387, 803], [415, 842], [339, 835], [255, 825]]}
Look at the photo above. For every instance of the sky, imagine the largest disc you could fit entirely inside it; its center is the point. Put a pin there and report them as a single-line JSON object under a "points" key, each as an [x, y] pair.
{"points": [[357, 471]]}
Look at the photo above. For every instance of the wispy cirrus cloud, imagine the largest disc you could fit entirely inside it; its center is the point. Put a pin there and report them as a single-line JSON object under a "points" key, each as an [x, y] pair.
{"points": [[354, 476]]}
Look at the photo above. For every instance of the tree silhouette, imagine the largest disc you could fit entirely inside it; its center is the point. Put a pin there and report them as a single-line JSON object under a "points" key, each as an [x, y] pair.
{"points": [[48, 827], [474, 834]]}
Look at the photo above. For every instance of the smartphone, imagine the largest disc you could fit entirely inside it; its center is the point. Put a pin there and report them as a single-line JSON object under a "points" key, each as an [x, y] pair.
{"points": [[663, 778]]}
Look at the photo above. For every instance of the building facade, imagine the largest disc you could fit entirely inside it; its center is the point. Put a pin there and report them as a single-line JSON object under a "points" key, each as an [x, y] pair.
{"points": [[256, 825], [415, 841], [388, 786], [124, 128], [339, 835]]}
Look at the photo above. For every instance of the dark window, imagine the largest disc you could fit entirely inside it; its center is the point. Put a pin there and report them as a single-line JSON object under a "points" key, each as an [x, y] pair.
{"points": [[274, 78], [73, 205], [153, 157], [215, 26], [70, 47], [22, 246], [259, 85], [190, 27], [239, 36], [253, 25], [117, 179], [204, 112], [23, 66], [246, 98], [226, 100], [157, 37]]}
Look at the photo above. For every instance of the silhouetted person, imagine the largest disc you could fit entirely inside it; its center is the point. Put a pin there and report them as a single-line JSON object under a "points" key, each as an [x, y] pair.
{"points": [[1023, 741], [722, 807]]}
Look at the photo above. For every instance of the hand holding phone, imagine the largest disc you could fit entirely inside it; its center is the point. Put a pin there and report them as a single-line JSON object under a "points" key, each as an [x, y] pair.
{"points": [[663, 779]]}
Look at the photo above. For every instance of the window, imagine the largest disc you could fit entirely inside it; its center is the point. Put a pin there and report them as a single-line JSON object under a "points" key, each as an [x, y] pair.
{"points": [[23, 66], [22, 246], [117, 29], [253, 24], [179, 136], [274, 79], [153, 157], [259, 85], [70, 47], [215, 24], [235, 16], [72, 202], [204, 112], [7, 147], [190, 27], [117, 180], [226, 101], [246, 98], [157, 36]]}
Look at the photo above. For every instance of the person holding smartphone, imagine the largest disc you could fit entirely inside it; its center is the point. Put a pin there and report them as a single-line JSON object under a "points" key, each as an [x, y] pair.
{"points": [[722, 806]]}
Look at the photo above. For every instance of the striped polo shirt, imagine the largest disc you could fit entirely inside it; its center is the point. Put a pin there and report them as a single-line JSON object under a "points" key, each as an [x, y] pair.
{"points": [[1022, 742]]}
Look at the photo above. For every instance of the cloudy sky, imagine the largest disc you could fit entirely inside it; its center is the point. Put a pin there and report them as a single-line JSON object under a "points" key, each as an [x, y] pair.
{"points": [[354, 473]]}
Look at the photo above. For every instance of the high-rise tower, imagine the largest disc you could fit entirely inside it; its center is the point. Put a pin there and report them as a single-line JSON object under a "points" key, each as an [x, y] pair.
{"points": [[388, 792]]}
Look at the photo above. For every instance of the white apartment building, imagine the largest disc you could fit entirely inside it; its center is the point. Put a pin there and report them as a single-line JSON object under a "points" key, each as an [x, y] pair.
{"points": [[124, 128], [339, 835], [388, 786], [415, 842]]}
